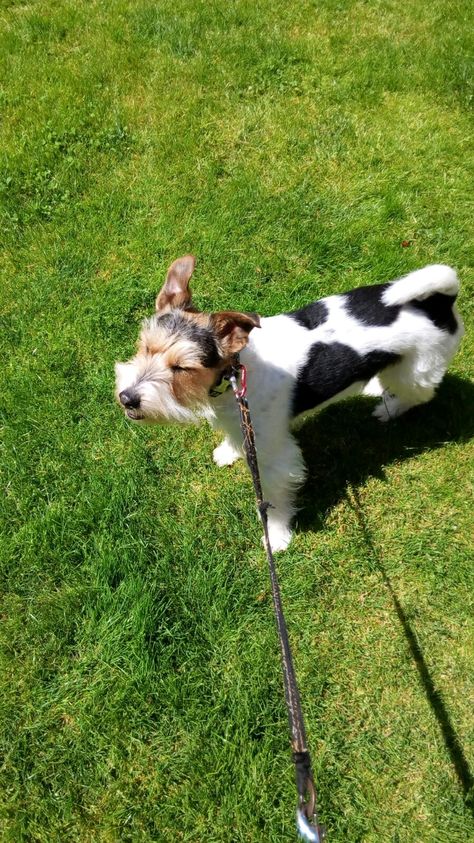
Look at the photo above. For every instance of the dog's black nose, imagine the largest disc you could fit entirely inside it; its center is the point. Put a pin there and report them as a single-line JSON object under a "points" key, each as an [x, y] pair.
{"points": [[130, 400]]}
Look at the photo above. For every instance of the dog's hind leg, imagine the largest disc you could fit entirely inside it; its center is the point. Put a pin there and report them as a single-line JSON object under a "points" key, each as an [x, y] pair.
{"points": [[408, 384], [373, 388], [414, 379], [391, 406]]}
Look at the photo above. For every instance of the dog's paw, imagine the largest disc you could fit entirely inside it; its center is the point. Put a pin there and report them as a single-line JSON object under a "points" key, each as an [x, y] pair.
{"points": [[389, 408], [225, 454], [381, 413], [279, 535]]}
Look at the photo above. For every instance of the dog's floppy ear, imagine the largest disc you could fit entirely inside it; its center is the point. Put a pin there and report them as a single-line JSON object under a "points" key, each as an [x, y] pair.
{"points": [[233, 329], [175, 291]]}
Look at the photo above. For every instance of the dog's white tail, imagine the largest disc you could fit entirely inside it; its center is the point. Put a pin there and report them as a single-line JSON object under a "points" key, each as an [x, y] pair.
{"points": [[422, 284]]}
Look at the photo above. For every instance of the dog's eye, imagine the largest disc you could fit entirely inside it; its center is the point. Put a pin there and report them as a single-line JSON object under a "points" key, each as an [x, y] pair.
{"points": [[180, 369]]}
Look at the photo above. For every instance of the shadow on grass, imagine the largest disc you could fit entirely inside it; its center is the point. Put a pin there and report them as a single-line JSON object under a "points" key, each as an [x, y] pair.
{"points": [[344, 445], [435, 700], [349, 449]]}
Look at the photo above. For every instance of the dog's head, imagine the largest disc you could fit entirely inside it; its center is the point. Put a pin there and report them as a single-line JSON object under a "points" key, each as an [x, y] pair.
{"points": [[181, 354]]}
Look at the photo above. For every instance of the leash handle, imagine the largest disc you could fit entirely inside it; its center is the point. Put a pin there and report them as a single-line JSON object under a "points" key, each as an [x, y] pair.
{"points": [[306, 814]]}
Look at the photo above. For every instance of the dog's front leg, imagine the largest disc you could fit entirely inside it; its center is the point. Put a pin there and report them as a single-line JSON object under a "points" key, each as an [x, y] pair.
{"points": [[227, 452], [281, 478], [228, 423]]}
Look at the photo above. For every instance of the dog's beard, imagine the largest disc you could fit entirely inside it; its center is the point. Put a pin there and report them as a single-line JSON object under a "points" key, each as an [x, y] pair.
{"points": [[158, 404]]}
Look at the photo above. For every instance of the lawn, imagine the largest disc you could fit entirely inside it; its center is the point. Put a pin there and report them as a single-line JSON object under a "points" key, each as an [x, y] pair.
{"points": [[297, 149]]}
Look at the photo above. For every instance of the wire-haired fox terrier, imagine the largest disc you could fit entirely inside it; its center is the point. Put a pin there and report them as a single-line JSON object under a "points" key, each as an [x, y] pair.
{"points": [[393, 340]]}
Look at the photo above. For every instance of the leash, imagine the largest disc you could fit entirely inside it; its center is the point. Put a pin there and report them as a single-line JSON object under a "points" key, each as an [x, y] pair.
{"points": [[306, 813]]}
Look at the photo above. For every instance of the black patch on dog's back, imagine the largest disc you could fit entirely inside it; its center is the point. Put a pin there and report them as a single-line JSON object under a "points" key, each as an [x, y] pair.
{"points": [[310, 316], [439, 308], [330, 369], [365, 304]]}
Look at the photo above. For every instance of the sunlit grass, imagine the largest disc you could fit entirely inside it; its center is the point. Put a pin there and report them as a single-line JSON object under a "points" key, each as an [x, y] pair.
{"points": [[293, 148]]}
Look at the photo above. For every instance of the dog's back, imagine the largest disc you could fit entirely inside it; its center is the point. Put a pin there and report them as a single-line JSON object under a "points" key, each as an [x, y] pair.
{"points": [[404, 333]]}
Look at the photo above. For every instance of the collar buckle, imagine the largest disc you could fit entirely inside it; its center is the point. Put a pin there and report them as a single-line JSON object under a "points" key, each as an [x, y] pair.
{"points": [[221, 387]]}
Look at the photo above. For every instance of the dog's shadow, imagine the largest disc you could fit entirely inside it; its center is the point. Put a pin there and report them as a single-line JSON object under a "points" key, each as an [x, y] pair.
{"points": [[344, 445]]}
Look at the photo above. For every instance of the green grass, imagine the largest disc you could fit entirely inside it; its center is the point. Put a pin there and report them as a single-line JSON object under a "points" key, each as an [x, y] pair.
{"points": [[292, 147]]}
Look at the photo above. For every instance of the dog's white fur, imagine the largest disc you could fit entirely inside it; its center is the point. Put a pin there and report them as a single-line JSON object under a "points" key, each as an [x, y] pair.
{"points": [[274, 358], [276, 353]]}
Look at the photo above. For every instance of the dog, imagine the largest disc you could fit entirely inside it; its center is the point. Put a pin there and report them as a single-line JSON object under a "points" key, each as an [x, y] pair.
{"points": [[393, 340]]}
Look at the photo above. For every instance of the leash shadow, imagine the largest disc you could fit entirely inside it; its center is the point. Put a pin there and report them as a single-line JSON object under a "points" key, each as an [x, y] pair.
{"points": [[451, 739], [350, 449]]}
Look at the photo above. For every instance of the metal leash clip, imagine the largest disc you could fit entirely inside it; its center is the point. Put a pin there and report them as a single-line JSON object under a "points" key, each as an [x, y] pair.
{"points": [[306, 813], [239, 372], [306, 829]]}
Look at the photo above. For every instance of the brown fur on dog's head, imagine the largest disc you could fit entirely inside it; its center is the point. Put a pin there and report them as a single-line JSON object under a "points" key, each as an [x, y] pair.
{"points": [[181, 353]]}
